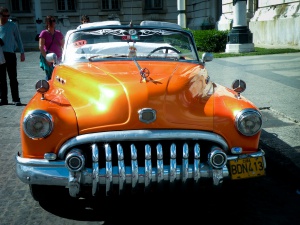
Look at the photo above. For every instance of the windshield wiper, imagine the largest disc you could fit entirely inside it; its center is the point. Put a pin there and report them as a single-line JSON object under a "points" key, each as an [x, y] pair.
{"points": [[108, 56]]}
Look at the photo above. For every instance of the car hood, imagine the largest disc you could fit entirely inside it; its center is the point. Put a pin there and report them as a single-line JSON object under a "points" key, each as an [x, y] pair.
{"points": [[109, 95]]}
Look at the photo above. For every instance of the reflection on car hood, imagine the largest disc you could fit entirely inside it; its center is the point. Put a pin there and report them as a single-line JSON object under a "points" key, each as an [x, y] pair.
{"points": [[108, 95]]}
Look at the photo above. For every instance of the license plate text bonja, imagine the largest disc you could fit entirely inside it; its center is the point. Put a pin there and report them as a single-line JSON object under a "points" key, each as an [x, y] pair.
{"points": [[246, 168]]}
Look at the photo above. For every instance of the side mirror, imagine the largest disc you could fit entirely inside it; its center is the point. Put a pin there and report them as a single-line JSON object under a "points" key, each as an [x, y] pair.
{"points": [[207, 57], [51, 57], [42, 86]]}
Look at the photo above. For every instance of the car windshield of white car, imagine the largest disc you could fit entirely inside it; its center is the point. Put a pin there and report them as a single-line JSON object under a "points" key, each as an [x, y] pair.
{"points": [[124, 44]]}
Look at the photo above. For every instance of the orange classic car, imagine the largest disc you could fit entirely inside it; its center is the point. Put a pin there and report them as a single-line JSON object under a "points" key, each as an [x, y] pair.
{"points": [[131, 108]]}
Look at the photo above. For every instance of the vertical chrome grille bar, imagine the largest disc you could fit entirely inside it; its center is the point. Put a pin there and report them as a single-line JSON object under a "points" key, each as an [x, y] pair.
{"points": [[95, 154], [148, 167], [134, 167], [197, 163], [172, 164], [185, 162], [108, 168], [121, 167], [160, 164]]}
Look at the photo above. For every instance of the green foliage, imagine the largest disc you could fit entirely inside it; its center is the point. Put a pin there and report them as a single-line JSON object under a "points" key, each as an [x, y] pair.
{"points": [[210, 40], [215, 41]]}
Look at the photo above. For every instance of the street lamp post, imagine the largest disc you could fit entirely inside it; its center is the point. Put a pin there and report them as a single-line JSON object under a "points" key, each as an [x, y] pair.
{"points": [[181, 13]]}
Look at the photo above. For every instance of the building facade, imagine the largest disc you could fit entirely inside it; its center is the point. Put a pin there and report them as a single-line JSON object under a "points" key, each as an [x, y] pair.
{"points": [[272, 22]]}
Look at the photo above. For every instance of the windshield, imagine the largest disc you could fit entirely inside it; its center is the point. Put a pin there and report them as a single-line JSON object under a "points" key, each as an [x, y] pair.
{"points": [[128, 43]]}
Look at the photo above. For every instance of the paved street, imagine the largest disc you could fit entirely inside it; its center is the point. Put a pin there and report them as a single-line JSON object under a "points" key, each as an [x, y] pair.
{"points": [[273, 84]]}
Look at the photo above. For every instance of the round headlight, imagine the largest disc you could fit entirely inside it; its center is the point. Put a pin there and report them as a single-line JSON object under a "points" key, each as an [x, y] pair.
{"points": [[248, 122], [38, 124]]}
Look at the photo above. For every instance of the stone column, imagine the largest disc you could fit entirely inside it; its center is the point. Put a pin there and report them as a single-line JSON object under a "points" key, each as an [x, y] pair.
{"points": [[38, 16], [181, 18], [240, 39]]}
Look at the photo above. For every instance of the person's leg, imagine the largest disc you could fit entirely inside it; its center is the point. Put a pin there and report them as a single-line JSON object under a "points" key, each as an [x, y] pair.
{"points": [[49, 73], [3, 84], [11, 65]]}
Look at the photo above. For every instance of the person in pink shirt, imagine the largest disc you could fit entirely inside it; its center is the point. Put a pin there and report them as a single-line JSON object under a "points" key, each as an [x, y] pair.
{"points": [[50, 41]]}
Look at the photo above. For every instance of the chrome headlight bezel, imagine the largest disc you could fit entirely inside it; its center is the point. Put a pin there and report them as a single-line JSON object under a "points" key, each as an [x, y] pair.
{"points": [[38, 124], [248, 122]]}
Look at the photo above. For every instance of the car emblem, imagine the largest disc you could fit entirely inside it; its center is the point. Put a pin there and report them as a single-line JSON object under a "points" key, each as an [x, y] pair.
{"points": [[132, 32], [147, 115]]}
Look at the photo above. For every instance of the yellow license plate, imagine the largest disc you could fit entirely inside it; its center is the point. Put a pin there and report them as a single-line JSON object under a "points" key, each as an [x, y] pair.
{"points": [[246, 168]]}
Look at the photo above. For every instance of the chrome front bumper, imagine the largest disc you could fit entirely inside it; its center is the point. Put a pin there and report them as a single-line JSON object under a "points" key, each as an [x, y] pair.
{"points": [[136, 158], [44, 172]]}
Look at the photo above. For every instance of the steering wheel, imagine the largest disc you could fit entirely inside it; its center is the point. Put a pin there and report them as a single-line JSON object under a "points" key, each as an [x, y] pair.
{"points": [[167, 48]]}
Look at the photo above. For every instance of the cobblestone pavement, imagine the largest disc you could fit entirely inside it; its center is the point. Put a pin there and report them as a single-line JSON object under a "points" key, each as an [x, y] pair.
{"points": [[18, 207], [16, 203]]}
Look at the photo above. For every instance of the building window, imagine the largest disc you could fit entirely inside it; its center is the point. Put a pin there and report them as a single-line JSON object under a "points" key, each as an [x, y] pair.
{"points": [[66, 5], [20, 5], [153, 4], [110, 5]]}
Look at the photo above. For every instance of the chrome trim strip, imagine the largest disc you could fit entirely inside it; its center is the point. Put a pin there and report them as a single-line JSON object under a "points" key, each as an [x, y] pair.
{"points": [[253, 155], [147, 135]]}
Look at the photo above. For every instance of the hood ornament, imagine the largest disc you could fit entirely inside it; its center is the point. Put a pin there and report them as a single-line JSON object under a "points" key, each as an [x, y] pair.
{"points": [[144, 72], [239, 86]]}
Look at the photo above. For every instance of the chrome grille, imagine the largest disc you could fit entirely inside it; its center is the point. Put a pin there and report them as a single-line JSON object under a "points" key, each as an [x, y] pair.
{"points": [[143, 158], [122, 174]]}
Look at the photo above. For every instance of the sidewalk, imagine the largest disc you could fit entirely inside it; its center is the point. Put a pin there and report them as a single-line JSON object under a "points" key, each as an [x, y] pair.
{"points": [[277, 46], [273, 85]]}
